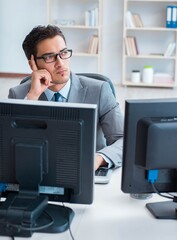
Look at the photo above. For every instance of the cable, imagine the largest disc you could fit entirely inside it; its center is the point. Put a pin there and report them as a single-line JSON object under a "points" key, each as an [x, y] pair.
{"points": [[18, 227], [160, 194], [152, 176], [69, 223]]}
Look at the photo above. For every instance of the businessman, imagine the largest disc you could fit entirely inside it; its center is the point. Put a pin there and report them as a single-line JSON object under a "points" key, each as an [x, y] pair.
{"points": [[49, 58]]}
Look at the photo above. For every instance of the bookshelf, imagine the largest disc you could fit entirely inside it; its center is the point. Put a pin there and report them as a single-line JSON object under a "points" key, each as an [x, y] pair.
{"points": [[152, 38], [81, 23]]}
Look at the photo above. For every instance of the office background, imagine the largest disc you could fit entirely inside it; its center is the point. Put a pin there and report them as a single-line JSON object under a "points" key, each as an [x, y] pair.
{"points": [[18, 17], [125, 218]]}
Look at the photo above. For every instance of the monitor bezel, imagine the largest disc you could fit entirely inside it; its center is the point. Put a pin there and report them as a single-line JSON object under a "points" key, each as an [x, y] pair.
{"points": [[87, 193], [134, 179]]}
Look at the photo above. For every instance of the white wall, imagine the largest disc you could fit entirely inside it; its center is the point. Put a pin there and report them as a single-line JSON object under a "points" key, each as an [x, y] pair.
{"points": [[112, 39], [18, 17]]}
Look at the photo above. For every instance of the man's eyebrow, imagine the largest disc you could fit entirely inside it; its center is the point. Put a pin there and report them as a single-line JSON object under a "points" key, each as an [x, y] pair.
{"points": [[63, 49], [46, 54], [50, 53]]}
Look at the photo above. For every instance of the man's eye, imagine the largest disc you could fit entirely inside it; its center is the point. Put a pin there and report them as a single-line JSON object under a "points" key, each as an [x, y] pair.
{"points": [[64, 52], [49, 57]]}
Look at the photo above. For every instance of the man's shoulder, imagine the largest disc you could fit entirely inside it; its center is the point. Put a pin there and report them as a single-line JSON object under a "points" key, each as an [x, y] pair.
{"points": [[89, 81], [19, 91]]}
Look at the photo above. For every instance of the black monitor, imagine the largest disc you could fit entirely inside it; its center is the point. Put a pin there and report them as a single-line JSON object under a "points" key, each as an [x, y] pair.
{"points": [[150, 152], [47, 152]]}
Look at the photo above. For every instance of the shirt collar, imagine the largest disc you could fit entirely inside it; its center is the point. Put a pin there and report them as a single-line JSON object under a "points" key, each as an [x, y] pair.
{"points": [[64, 91]]}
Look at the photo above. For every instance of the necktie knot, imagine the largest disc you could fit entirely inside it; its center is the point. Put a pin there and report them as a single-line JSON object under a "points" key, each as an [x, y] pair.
{"points": [[57, 95]]}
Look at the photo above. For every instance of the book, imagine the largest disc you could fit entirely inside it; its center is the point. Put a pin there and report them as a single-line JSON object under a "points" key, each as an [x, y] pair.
{"points": [[174, 17], [137, 20], [133, 20], [131, 46], [171, 17], [91, 17], [129, 20], [93, 45], [168, 16], [127, 47], [170, 50]]}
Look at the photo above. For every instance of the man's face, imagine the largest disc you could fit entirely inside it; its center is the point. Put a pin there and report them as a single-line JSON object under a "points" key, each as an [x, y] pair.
{"points": [[59, 69]]}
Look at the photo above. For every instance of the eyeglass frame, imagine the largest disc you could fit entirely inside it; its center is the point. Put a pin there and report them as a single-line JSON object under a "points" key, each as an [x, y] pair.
{"points": [[56, 54]]}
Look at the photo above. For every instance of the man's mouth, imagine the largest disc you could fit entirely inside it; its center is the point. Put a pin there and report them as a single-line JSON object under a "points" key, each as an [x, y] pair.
{"points": [[60, 72]]}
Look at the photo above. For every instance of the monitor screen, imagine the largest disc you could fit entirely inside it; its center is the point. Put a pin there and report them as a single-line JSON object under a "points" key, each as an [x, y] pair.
{"points": [[47, 152], [149, 153]]}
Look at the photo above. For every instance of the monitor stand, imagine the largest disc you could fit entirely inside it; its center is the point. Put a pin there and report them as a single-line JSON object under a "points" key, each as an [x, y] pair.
{"points": [[62, 218], [163, 210], [26, 211], [23, 215]]}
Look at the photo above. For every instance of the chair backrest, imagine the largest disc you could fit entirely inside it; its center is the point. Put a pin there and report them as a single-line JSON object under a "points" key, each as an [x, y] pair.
{"points": [[96, 76], [25, 79]]}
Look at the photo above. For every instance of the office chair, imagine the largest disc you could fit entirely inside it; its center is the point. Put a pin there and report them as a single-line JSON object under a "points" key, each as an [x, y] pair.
{"points": [[95, 76]]}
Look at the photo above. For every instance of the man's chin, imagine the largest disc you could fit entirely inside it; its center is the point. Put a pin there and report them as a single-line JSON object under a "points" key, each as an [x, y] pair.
{"points": [[61, 79]]}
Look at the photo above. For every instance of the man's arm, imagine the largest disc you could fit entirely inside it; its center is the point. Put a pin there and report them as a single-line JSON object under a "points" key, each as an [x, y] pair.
{"points": [[111, 121]]}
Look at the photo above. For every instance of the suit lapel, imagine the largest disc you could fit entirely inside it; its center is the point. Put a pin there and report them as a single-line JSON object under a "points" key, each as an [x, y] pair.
{"points": [[43, 97], [78, 91]]}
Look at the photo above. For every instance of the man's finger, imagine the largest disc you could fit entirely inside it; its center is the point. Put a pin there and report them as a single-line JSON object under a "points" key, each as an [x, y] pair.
{"points": [[32, 64]]}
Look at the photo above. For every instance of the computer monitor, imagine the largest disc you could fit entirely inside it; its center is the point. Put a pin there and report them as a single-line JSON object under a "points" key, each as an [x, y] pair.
{"points": [[150, 152], [47, 152]]}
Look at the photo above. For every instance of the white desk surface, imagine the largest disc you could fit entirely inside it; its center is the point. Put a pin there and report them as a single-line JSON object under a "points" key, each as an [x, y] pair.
{"points": [[113, 216]]}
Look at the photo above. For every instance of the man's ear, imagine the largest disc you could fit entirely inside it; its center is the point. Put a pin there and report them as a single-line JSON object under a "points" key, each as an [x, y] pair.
{"points": [[29, 62]]}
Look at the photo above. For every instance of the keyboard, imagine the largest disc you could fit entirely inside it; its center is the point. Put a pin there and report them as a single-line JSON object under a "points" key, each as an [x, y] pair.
{"points": [[103, 175]]}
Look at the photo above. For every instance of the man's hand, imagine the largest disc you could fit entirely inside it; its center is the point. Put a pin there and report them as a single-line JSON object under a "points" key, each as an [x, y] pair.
{"points": [[100, 162], [41, 80]]}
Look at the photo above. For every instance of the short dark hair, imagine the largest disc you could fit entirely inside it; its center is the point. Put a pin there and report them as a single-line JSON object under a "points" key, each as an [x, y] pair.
{"points": [[38, 34]]}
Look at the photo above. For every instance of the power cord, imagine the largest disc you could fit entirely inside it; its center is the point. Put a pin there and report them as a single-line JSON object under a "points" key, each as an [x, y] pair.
{"points": [[20, 227], [69, 223], [160, 194], [152, 176], [47, 225]]}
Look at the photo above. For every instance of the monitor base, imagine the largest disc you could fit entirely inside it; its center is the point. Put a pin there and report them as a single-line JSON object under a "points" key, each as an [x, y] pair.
{"points": [[62, 218], [53, 219], [163, 210]]}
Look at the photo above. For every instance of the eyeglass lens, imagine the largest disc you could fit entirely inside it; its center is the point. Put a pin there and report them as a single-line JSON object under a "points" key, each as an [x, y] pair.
{"points": [[65, 54]]}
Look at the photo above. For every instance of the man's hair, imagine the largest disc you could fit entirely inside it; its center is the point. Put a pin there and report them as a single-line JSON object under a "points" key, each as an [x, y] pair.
{"points": [[38, 34]]}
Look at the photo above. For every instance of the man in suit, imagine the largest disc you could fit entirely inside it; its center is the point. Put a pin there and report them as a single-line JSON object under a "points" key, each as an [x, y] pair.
{"points": [[49, 59]]}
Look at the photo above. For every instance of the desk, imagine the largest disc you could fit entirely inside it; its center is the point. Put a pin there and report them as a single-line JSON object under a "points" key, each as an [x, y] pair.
{"points": [[113, 216]]}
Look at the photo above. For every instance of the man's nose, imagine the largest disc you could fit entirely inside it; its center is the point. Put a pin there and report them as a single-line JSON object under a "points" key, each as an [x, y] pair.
{"points": [[59, 60]]}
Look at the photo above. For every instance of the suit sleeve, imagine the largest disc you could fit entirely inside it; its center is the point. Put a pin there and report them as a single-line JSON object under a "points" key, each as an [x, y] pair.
{"points": [[20, 91], [111, 121]]}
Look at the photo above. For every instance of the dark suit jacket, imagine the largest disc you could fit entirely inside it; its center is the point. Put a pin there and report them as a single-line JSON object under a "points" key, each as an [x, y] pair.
{"points": [[110, 119]]}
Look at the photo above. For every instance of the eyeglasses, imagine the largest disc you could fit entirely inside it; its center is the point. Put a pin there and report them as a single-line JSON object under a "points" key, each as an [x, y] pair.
{"points": [[49, 58]]}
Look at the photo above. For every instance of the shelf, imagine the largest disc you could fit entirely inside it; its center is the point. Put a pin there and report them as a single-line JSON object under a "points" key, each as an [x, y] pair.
{"points": [[151, 29], [81, 22], [152, 56], [146, 44], [79, 54], [79, 27], [175, 1], [165, 85]]}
